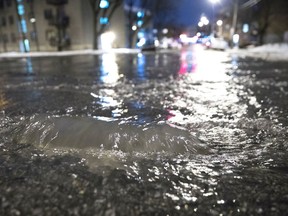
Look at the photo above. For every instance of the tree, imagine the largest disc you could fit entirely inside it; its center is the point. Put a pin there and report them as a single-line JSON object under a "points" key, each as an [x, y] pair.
{"points": [[61, 22], [269, 17], [102, 9], [142, 13], [138, 16], [261, 16]]}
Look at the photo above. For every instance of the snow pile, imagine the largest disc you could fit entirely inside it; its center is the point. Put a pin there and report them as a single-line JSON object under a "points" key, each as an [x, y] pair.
{"points": [[64, 53], [271, 48], [270, 52]]}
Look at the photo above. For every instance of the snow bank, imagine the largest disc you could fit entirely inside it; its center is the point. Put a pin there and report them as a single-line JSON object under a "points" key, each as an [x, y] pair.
{"points": [[270, 52], [65, 53]]}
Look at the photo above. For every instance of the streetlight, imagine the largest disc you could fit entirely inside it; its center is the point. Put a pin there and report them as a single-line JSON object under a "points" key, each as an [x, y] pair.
{"points": [[203, 22], [234, 20], [219, 23], [134, 27], [213, 4]]}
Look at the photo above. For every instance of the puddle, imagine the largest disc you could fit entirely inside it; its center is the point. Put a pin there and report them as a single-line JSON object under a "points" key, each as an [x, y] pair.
{"points": [[51, 132]]}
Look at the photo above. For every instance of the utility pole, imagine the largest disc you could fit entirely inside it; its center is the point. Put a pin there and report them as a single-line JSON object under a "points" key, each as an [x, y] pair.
{"points": [[234, 20]]}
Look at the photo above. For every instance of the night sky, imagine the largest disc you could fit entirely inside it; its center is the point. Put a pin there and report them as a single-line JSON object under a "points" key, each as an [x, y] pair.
{"points": [[190, 11]]}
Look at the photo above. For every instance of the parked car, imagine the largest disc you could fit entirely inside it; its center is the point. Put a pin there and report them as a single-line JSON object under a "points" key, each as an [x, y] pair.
{"points": [[147, 44], [217, 43]]}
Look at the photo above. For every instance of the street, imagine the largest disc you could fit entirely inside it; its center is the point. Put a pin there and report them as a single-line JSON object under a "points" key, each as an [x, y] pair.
{"points": [[188, 132]]}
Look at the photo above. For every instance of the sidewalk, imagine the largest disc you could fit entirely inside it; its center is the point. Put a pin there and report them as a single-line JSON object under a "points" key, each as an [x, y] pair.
{"points": [[269, 52]]}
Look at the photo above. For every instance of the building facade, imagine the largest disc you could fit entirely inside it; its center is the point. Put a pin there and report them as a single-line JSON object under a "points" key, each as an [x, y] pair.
{"points": [[47, 25]]}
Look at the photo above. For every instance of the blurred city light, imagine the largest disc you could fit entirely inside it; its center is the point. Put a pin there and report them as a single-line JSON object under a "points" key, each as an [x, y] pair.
{"points": [[32, 20], [204, 20], [200, 24], [109, 69], [165, 31], [104, 4], [141, 42], [214, 1], [140, 14], [134, 27], [219, 23], [236, 38], [107, 40], [245, 28]]}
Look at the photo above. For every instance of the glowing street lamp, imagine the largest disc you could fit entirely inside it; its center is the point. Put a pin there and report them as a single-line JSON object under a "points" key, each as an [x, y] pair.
{"points": [[234, 20], [134, 27], [213, 3], [219, 23], [204, 20], [200, 24]]}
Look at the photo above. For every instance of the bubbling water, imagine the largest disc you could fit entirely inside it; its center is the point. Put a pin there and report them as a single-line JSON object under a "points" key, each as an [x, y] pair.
{"points": [[50, 132]]}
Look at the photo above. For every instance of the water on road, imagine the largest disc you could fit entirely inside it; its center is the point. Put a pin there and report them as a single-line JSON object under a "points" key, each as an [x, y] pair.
{"points": [[190, 132]]}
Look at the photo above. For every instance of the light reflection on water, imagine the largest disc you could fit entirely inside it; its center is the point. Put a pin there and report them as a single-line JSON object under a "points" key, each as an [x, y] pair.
{"points": [[29, 65], [141, 63], [109, 69]]}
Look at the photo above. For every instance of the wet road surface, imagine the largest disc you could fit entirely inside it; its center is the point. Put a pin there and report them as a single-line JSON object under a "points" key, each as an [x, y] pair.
{"points": [[193, 132]]}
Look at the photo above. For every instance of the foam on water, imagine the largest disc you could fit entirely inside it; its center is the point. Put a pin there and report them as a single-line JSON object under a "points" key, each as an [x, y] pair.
{"points": [[87, 133]]}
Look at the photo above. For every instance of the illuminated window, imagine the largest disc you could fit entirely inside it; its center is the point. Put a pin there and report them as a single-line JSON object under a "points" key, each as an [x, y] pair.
{"points": [[104, 4], [245, 28], [104, 20]]}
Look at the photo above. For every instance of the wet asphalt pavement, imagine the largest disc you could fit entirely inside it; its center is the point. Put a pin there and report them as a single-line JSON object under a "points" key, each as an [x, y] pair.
{"points": [[226, 115]]}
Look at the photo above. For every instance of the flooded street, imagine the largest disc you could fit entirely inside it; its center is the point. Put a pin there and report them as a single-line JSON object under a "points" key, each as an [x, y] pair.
{"points": [[190, 132]]}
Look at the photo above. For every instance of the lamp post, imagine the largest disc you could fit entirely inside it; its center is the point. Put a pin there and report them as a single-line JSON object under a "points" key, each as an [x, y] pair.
{"points": [[220, 30], [234, 20], [213, 2], [203, 23]]}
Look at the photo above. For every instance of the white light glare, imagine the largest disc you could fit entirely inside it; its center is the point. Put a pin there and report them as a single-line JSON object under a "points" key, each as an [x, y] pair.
{"points": [[236, 38], [214, 1], [219, 22], [134, 27], [141, 42], [107, 40], [32, 20], [104, 4], [165, 31], [204, 20]]}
